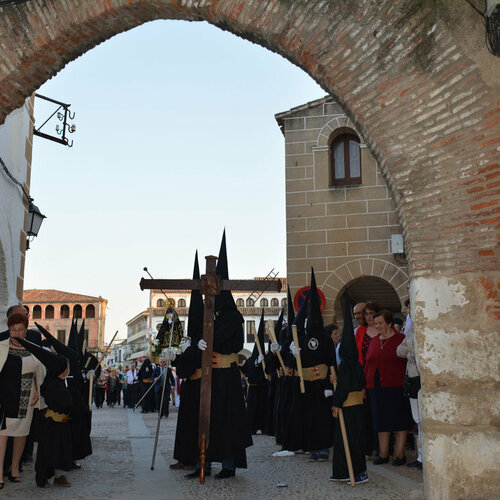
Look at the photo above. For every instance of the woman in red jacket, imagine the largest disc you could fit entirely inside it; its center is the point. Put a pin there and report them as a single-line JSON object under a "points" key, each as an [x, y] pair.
{"points": [[385, 373]]}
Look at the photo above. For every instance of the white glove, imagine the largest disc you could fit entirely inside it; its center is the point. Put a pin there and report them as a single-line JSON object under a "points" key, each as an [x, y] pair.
{"points": [[294, 350], [90, 372], [184, 345], [275, 347], [328, 393], [260, 358], [169, 355], [202, 345]]}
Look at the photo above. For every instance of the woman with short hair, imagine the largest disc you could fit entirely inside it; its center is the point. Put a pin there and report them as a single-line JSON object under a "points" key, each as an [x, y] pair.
{"points": [[385, 373], [20, 376]]}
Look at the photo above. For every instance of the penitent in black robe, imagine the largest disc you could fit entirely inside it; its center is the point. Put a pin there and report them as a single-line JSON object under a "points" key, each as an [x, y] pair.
{"points": [[256, 395], [229, 431], [186, 448], [317, 414], [350, 377], [55, 449]]}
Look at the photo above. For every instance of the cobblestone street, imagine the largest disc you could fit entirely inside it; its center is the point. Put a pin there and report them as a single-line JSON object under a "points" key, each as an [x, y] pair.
{"points": [[120, 467]]}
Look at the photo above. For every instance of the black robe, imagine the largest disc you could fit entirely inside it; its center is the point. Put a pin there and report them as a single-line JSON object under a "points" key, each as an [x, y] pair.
{"points": [[186, 448], [350, 377], [272, 367], [80, 423], [145, 375], [314, 406], [229, 431], [55, 449], [256, 394]]}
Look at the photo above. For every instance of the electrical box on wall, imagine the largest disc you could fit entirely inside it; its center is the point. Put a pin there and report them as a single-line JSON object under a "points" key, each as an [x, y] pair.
{"points": [[397, 243]]}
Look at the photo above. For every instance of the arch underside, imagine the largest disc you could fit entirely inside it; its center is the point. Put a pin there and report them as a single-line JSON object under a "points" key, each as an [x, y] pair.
{"points": [[397, 69]]}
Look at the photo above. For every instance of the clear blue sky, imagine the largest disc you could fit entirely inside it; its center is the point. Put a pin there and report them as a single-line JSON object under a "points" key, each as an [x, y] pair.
{"points": [[176, 139]]}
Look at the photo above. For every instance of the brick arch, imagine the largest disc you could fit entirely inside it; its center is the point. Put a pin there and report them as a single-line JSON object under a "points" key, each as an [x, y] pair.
{"points": [[382, 61], [335, 282], [416, 80]]}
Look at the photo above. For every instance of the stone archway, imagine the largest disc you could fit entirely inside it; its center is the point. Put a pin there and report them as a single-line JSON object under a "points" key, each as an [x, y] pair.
{"points": [[415, 79], [357, 269]]}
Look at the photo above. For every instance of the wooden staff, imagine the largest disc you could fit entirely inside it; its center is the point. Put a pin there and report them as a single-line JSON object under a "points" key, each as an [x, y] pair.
{"points": [[344, 436], [259, 348], [91, 379], [298, 359], [272, 336]]}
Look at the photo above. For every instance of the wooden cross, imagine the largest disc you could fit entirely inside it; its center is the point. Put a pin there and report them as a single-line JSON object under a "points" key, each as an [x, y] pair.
{"points": [[210, 284]]}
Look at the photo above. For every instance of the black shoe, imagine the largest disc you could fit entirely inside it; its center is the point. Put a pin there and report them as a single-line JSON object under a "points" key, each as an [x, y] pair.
{"points": [[196, 474], [398, 461], [379, 460], [416, 464], [225, 473]]}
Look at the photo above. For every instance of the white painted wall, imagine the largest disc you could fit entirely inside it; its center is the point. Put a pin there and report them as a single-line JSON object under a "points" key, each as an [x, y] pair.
{"points": [[13, 135]]}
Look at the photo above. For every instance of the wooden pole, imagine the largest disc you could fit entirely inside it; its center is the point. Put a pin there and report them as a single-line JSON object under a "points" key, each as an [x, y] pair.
{"points": [[91, 385], [344, 437], [298, 359], [272, 336]]}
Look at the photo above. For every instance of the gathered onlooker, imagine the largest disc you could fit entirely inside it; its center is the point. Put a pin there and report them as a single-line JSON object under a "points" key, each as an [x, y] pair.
{"points": [[124, 386], [100, 390], [412, 385], [385, 373], [364, 335], [20, 376], [112, 388]]}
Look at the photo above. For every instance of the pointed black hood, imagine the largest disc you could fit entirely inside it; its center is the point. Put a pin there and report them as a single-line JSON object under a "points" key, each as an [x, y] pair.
{"points": [[290, 310], [348, 350], [59, 347], [81, 338], [73, 340], [224, 301], [260, 336], [277, 327], [315, 324], [55, 363], [195, 315], [300, 319]]}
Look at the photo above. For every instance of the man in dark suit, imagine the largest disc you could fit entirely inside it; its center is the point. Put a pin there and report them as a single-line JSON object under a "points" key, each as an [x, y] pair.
{"points": [[159, 373]]}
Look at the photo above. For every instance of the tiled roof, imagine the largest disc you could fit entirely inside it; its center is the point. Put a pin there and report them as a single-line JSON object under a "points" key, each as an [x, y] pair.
{"points": [[42, 296]]}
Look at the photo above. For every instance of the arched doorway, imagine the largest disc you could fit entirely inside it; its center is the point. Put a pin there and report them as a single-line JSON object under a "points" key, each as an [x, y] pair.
{"points": [[369, 289], [416, 87]]}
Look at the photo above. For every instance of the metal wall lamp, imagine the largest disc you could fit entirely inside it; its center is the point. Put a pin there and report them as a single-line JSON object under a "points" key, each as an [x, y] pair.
{"points": [[35, 219]]}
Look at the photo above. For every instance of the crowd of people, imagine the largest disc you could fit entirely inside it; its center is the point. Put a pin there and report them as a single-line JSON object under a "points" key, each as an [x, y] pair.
{"points": [[311, 387], [135, 387]]}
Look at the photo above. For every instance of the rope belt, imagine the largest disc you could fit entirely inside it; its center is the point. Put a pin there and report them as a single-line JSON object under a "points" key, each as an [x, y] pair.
{"points": [[57, 417], [147, 380], [313, 373], [290, 372], [196, 375], [228, 359], [353, 399]]}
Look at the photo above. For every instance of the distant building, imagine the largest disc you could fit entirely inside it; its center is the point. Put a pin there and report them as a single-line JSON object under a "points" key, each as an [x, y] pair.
{"points": [[54, 310]]}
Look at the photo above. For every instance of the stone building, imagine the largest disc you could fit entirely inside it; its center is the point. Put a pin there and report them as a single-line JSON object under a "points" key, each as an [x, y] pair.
{"points": [[54, 310], [340, 214]]}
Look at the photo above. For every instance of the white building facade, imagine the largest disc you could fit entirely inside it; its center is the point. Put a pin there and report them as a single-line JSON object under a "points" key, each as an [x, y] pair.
{"points": [[16, 144]]}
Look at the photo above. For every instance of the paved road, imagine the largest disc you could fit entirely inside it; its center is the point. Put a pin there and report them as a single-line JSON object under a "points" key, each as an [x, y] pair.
{"points": [[120, 468]]}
